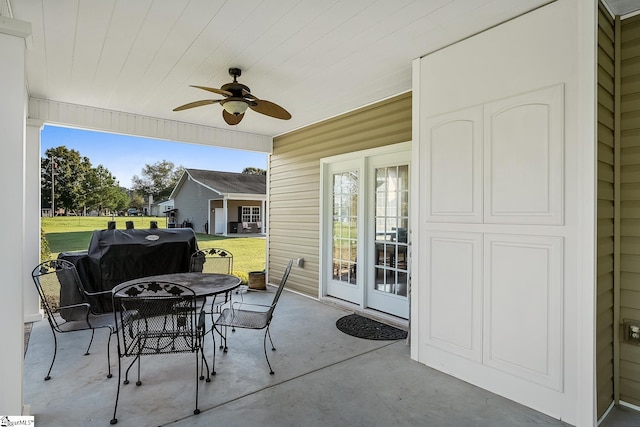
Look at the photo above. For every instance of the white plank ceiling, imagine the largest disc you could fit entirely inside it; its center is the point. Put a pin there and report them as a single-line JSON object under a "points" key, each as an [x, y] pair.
{"points": [[316, 58]]}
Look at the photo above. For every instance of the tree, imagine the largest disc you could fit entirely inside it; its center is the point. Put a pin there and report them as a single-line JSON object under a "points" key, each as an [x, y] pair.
{"points": [[158, 179], [68, 170], [103, 192], [77, 185], [254, 171], [136, 200]]}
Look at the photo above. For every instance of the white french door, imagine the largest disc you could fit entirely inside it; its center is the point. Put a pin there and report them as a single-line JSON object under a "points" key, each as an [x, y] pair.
{"points": [[388, 283], [342, 217], [365, 228]]}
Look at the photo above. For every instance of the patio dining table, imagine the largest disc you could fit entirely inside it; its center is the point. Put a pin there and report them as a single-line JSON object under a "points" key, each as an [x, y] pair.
{"points": [[203, 285]]}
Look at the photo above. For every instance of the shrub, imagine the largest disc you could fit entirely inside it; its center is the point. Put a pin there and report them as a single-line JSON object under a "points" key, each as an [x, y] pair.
{"points": [[45, 251]]}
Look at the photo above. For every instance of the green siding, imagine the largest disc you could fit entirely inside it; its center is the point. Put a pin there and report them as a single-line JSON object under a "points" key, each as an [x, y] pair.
{"points": [[629, 384], [605, 246], [294, 180]]}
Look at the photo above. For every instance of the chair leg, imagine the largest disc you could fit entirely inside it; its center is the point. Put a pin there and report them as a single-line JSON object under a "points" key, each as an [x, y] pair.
{"points": [[114, 420], [109, 355], [93, 331], [213, 340], [139, 383], [203, 360], [126, 375], [269, 333], [55, 351], [223, 338], [197, 411], [264, 345], [204, 364]]}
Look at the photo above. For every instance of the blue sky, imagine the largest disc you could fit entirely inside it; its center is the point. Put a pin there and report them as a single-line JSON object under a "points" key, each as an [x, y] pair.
{"points": [[125, 156]]}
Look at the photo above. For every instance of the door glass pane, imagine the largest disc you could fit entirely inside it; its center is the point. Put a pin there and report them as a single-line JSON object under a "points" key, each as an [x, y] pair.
{"points": [[391, 224], [345, 221]]}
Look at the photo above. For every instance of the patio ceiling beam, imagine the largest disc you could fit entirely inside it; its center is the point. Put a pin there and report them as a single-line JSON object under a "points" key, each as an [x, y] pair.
{"points": [[98, 119]]}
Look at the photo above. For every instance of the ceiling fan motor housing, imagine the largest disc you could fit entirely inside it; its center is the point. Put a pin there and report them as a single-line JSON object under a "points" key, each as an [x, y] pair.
{"points": [[236, 89]]}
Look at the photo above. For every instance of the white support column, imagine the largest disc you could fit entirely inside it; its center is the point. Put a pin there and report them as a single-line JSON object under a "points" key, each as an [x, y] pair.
{"points": [[13, 104], [31, 302], [225, 207], [263, 216]]}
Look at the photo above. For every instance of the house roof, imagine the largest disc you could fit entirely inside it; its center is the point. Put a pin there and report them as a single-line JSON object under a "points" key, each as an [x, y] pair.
{"points": [[225, 182]]}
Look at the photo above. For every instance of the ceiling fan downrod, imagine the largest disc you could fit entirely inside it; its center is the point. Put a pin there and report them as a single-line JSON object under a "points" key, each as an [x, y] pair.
{"points": [[235, 73]]}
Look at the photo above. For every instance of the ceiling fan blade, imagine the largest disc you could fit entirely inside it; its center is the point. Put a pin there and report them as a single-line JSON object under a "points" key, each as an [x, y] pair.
{"points": [[231, 119], [214, 90], [197, 104], [269, 108]]}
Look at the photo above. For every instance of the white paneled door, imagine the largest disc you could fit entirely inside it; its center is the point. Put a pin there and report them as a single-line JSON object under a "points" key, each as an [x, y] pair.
{"points": [[219, 219], [365, 253]]}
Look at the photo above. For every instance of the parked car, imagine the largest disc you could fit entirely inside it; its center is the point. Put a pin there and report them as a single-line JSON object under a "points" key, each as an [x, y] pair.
{"points": [[132, 212]]}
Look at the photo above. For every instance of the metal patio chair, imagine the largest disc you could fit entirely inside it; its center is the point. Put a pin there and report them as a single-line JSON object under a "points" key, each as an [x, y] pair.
{"points": [[253, 316], [213, 260], [64, 301], [155, 318]]}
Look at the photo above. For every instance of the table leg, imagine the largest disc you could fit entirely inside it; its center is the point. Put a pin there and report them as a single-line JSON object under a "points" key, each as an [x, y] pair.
{"points": [[214, 329], [202, 328]]}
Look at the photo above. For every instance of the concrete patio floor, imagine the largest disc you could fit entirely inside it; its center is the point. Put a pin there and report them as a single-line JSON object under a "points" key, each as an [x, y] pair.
{"points": [[323, 377]]}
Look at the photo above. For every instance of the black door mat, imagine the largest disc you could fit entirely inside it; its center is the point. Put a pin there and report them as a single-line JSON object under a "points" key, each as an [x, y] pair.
{"points": [[362, 327]]}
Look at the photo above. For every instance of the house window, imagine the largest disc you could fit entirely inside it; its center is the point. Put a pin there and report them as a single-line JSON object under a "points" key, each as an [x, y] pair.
{"points": [[250, 214]]}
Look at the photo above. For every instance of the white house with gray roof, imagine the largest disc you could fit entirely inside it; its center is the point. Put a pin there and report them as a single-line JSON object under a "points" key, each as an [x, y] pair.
{"points": [[216, 202]]}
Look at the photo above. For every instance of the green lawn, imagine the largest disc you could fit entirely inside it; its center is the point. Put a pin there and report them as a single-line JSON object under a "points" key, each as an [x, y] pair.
{"points": [[72, 233]]}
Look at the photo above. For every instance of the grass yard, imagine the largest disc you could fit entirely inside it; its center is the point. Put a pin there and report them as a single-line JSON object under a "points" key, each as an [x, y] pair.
{"points": [[73, 233]]}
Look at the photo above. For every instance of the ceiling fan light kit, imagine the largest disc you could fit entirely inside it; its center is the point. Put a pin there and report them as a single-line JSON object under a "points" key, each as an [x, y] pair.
{"points": [[235, 107], [237, 99]]}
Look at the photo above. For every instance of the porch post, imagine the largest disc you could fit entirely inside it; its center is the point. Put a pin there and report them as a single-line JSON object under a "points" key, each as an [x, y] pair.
{"points": [[31, 302], [225, 216], [263, 216], [12, 187]]}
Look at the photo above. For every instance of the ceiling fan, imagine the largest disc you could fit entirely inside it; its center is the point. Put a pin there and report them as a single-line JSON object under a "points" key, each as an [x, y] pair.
{"points": [[237, 98]]}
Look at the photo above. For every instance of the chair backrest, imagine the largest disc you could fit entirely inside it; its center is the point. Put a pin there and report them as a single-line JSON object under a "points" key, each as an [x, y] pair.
{"points": [[155, 318], [214, 260], [283, 281], [59, 287]]}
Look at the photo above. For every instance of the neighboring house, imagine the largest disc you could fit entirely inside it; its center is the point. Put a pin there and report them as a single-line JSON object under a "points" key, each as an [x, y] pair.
{"points": [[226, 200], [161, 208]]}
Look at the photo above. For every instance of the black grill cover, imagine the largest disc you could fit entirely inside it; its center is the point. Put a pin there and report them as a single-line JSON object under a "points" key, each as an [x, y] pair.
{"points": [[115, 256]]}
